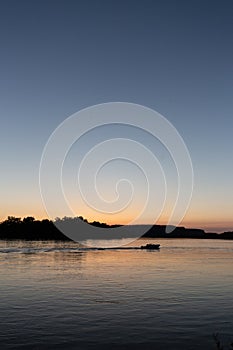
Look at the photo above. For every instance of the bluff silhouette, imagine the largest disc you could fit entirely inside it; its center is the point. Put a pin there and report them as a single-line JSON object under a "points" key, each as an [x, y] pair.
{"points": [[14, 228]]}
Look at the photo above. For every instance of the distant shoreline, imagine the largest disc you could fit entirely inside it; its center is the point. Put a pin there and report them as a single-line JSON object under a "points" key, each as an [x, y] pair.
{"points": [[45, 230]]}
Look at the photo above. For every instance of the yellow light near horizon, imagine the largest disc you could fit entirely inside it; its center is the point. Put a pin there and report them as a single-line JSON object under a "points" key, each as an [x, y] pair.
{"points": [[197, 216]]}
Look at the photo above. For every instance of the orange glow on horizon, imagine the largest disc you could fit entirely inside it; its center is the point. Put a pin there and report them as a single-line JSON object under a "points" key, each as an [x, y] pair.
{"points": [[208, 224], [196, 217]]}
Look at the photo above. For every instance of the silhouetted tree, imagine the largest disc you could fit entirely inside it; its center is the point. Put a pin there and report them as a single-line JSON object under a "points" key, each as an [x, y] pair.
{"points": [[28, 220]]}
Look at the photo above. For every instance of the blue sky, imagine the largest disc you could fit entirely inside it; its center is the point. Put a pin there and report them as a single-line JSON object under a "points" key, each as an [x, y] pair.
{"points": [[58, 57]]}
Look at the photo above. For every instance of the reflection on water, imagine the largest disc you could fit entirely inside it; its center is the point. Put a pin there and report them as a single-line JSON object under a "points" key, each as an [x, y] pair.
{"points": [[59, 295]]}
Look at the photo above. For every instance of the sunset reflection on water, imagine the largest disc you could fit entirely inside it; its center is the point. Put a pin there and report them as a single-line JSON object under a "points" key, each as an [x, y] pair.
{"points": [[56, 294]]}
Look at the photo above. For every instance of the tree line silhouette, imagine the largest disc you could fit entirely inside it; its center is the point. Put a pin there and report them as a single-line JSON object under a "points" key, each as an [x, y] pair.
{"points": [[28, 228]]}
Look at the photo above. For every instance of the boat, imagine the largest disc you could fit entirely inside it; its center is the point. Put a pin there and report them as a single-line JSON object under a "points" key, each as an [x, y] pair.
{"points": [[150, 246]]}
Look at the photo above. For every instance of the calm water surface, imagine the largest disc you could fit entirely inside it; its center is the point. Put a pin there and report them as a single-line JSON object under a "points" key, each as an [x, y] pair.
{"points": [[55, 295]]}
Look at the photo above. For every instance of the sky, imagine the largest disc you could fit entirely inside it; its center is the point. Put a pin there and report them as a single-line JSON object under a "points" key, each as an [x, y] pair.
{"points": [[176, 57]]}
